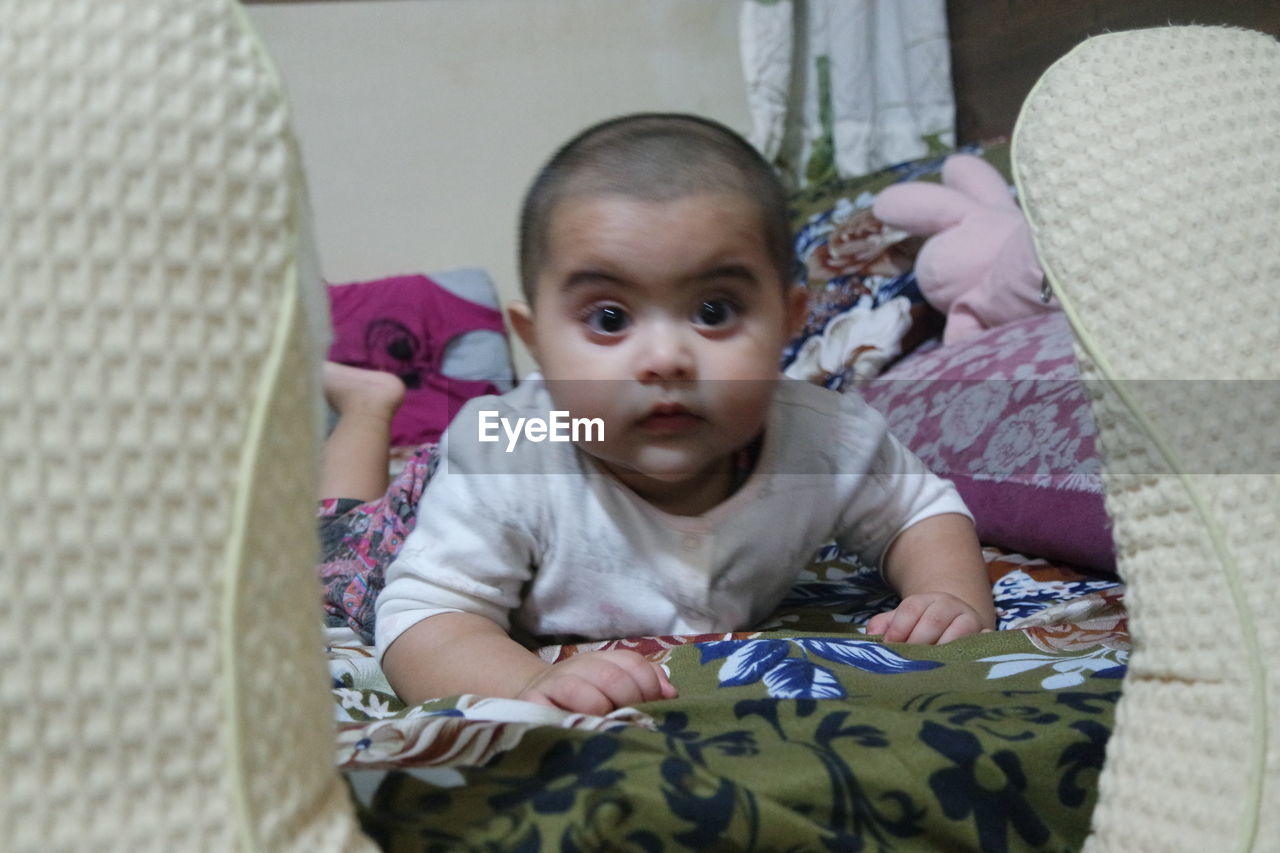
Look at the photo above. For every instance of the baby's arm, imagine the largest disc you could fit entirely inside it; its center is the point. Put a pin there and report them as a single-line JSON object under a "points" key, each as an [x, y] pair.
{"points": [[452, 653], [937, 568], [462, 571]]}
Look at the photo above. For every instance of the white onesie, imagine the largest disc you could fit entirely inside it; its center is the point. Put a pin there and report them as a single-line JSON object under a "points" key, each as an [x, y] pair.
{"points": [[548, 546]]}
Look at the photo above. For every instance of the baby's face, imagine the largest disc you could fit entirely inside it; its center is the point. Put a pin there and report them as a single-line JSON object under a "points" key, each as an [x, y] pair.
{"points": [[665, 320]]}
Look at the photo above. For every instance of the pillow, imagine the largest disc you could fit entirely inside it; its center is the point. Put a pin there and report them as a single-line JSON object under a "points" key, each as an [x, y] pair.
{"points": [[1004, 416], [865, 308], [441, 334]]}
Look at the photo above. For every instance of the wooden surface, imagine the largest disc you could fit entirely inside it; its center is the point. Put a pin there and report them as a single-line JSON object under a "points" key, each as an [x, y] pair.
{"points": [[999, 48]]}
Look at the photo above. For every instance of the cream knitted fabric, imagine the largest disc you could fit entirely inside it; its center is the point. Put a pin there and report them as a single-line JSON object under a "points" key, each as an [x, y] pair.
{"points": [[1149, 165], [164, 687]]}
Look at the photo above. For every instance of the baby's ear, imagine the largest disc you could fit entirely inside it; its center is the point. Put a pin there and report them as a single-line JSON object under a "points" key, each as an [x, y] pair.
{"points": [[520, 316]]}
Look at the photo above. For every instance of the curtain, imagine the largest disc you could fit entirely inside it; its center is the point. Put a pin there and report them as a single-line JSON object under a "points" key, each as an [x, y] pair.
{"points": [[838, 88]]}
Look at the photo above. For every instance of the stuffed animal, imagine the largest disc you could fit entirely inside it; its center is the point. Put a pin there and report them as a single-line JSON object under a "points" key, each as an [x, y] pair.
{"points": [[978, 265]]}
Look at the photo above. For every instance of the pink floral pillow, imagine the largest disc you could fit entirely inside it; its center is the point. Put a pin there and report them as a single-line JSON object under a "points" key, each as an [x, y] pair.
{"points": [[1004, 416]]}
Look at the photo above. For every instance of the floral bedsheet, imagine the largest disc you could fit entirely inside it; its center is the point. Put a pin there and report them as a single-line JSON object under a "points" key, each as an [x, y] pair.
{"points": [[803, 735]]}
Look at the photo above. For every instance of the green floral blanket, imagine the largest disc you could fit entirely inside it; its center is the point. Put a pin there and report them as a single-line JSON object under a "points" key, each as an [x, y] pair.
{"points": [[805, 735]]}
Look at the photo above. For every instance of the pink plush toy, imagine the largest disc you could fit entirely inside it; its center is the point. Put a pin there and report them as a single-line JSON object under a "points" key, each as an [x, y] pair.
{"points": [[979, 265]]}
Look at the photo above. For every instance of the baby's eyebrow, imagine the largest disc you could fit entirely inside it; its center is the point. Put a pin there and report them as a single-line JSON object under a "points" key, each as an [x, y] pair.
{"points": [[596, 277], [739, 272], [588, 278]]}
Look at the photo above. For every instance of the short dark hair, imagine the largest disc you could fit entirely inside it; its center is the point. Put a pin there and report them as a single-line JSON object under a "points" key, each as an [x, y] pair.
{"points": [[654, 157]]}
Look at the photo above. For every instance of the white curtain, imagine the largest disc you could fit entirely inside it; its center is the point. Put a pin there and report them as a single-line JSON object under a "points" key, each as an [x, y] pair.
{"points": [[843, 87]]}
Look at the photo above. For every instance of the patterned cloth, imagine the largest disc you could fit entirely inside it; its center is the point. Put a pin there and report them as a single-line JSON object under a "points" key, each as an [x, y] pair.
{"points": [[801, 735], [848, 86], [1005, 416], [359, 540]]}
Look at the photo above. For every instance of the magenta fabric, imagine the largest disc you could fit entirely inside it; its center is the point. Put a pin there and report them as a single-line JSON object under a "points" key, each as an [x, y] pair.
{"points": [[402, 325], [1005, 417]]}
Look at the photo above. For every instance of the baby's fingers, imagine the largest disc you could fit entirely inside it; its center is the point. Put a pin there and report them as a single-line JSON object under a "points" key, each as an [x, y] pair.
{"points": [[574, 694], [962, 626], [876, 624], [666, 689], [645, 680], [940, 622], [906, 623]]}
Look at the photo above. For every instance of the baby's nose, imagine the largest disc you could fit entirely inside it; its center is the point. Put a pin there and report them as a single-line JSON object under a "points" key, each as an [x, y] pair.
{"points": [[664, 353]]}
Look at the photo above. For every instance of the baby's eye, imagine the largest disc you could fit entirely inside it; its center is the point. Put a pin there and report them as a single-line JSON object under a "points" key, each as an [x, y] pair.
{"points": [[715, 312], [608, 319]]}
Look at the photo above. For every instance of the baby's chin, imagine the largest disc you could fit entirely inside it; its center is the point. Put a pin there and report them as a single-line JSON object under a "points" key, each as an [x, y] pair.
{"points": [[660, 465]]}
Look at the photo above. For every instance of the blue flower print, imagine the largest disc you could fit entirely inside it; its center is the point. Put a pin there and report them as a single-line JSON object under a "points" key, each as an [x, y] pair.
{"points": [[787, 677], [797, 678]]}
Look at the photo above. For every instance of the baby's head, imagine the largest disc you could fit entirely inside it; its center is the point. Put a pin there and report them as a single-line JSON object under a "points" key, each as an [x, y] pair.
{"points": [[654, 157], [656, 261]]}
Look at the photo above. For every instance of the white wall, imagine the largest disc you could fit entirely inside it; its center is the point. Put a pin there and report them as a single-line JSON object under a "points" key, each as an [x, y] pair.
{"points": [[422, 121]]}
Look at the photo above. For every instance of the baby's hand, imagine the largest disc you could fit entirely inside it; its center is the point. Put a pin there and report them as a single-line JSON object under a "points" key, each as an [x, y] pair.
{"points": [[927, 617], [599, 682]]}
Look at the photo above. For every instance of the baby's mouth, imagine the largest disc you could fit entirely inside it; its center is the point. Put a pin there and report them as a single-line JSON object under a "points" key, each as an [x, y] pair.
{"points": [[666, 418]]}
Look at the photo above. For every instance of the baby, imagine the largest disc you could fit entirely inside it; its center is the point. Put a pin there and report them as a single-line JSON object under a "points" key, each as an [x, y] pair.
{"points": [[659, 477]]}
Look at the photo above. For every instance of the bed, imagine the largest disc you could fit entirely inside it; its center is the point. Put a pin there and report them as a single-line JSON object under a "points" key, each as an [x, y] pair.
{"points": [[803, 733]]}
